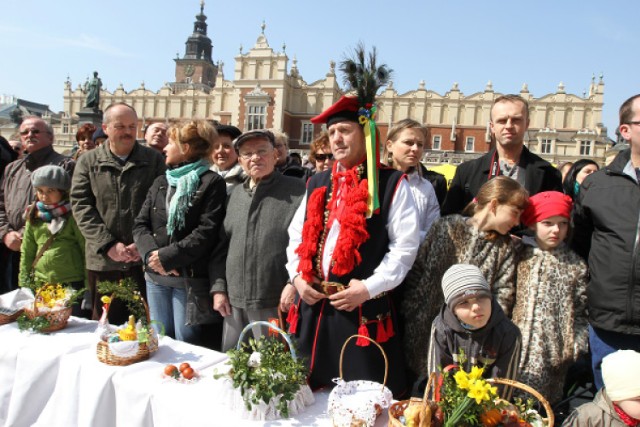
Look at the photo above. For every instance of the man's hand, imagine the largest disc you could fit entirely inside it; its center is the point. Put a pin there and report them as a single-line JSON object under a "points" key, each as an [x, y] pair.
{"points": [[306, 292], [349, 299], [132, 253], [221, 304], [12, 240], [287, 297], [118, 252]]}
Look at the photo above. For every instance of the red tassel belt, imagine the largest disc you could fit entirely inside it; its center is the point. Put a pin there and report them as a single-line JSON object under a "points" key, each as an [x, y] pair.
{"points": [[330, 288]]}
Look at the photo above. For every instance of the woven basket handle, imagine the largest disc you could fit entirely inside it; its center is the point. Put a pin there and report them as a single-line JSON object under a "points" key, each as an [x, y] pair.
{"points": [[530, 390], [35, 301], [430, 386], [386, 361], [272, 326]]}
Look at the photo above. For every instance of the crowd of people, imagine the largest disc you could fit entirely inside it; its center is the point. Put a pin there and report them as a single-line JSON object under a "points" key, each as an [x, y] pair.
{"points": [[520, 267]]}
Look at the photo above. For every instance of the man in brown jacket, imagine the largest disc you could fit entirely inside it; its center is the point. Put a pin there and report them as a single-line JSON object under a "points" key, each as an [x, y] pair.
{"points": [[107, 192]]}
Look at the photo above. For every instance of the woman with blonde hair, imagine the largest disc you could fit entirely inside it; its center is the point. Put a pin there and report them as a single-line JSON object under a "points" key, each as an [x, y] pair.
{"points": [[177, 230], [403, 151], [480, 237]]}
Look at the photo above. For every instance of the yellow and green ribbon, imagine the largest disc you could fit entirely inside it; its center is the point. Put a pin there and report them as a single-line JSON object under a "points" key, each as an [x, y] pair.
{"points": [[367, 120]]}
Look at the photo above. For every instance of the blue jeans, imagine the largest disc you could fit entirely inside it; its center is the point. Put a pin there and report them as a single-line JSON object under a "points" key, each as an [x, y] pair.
{"points": [[168, 306], [603, 343]]}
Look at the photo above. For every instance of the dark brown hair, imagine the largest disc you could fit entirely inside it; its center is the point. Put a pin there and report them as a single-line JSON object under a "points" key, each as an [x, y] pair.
{"points": [[626, 109]]}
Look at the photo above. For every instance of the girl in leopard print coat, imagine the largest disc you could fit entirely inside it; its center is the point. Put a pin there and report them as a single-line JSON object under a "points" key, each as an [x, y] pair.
{"points": [[551, 300], [482, 239]]}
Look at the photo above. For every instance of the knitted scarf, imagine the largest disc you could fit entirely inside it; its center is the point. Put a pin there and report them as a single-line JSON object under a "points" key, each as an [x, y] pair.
{"points": [[186, 180], [48, 212]]}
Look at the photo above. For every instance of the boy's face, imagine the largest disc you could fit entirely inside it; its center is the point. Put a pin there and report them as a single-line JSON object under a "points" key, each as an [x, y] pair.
{"points": [[474, 311], [631, 407], [551, 232]]}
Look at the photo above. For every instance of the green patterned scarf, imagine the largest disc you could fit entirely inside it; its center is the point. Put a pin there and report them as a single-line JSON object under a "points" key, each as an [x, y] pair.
{"points": [[186, 180]]}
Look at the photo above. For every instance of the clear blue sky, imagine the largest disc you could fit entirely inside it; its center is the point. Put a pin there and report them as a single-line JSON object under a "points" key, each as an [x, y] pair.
{"points": [[539, 42]]}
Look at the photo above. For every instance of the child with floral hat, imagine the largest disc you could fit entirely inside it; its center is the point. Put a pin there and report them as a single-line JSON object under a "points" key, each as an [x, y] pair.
{"points": [[550, 307]]}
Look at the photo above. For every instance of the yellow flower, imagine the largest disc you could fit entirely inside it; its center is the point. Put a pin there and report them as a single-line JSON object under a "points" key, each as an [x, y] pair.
{"points": [[479, 391], [476, 373], [105, 299], [462, 379], [363, 120]]}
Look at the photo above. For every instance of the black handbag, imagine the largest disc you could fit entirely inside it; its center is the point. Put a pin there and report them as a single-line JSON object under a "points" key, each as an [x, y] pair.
{"points": [[200, 306]]}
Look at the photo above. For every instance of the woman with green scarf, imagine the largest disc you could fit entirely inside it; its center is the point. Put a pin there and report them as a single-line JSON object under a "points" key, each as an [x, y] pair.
{"points": [[177, 229]]}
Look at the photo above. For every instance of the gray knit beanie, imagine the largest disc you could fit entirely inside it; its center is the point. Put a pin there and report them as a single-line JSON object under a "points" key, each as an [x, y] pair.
{"points": [[462, 281], [51, 176]]}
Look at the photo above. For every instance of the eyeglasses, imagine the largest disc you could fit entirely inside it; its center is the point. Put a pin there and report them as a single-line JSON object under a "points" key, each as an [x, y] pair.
{"points": [[635, 122], [323, 157], [260, 153], [26, 131]]}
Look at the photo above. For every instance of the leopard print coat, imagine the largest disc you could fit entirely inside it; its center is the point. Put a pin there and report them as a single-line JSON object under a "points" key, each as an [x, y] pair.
{"points": [[550, 310], [450, 241]]}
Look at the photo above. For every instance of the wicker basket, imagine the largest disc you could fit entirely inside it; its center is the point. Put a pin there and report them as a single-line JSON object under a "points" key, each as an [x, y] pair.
{"points": [[397, 409], [544, 402], [57, 318], [361, 416], [8, 318], [144, 349]]}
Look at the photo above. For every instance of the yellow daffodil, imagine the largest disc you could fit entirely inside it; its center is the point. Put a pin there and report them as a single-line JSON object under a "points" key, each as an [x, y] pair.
{"points": [[462, 379], [479, 391], [105, 299], [476, 373]]}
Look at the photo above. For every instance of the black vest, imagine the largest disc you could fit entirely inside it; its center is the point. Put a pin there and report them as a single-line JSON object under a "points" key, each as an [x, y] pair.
{"points": [[375, 248]]}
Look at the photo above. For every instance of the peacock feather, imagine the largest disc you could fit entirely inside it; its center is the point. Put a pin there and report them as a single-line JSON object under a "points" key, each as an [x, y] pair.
{"points": [[363, 75]]}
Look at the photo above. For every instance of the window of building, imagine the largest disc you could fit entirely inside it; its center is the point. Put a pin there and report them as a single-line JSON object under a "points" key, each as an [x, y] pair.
{"points": [[307, 133], [437, 139], [65, 128], [585, 148], [470, 141], [545, 146], [256, 117]]}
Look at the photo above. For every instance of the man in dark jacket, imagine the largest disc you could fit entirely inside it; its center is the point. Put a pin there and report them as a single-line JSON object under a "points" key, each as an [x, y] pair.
{"points": [[509, 123], [108, 189], [16, 193], [607, 234]]}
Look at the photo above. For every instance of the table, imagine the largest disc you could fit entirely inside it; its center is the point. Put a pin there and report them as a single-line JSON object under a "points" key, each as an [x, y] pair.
{"points": [[56, 380]]}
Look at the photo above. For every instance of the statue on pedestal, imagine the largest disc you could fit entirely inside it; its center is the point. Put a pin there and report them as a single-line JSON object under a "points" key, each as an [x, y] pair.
{"points": [[92, 89]]}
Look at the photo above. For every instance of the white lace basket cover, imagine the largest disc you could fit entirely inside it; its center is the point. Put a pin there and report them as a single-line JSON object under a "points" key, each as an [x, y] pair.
{"points": [[232, 397], [358, 402]]}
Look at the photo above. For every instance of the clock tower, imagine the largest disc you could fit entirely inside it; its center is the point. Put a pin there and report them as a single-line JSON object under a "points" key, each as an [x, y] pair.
{"points": [[196, 66]]}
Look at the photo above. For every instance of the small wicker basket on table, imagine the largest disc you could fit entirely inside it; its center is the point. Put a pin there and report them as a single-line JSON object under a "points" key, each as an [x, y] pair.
{"points": [[144, 349]]}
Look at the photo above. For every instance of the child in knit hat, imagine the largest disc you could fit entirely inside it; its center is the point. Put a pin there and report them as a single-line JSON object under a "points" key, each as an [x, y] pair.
{"points": [[617, 404], [470, 320], [50, 225], [550, 307]]}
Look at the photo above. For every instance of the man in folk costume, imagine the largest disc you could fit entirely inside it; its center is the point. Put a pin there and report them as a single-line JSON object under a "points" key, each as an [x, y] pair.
{"points": [[352, 241]]}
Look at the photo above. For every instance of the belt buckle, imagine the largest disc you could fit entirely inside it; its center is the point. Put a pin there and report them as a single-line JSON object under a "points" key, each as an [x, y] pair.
{"points": [[331, 288]]}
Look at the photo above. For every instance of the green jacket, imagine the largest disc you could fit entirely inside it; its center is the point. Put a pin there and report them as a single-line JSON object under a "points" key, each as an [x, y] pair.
{"points": [[106, 196], [62, 262]]}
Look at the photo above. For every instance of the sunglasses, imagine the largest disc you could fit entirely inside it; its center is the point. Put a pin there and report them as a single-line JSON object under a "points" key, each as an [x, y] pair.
{"points": [[26, 131], [323, 157]]}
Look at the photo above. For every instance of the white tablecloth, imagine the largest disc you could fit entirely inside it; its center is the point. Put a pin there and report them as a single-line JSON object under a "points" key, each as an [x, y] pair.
{"points": [[57, 380]]}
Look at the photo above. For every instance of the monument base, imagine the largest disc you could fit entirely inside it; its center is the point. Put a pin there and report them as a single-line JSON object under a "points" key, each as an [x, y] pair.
{"points": [[90, 115]]}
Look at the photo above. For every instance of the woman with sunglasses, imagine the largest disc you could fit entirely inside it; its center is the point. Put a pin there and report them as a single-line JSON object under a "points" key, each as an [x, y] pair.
{"points": [[320, 153], [403, 151]]}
